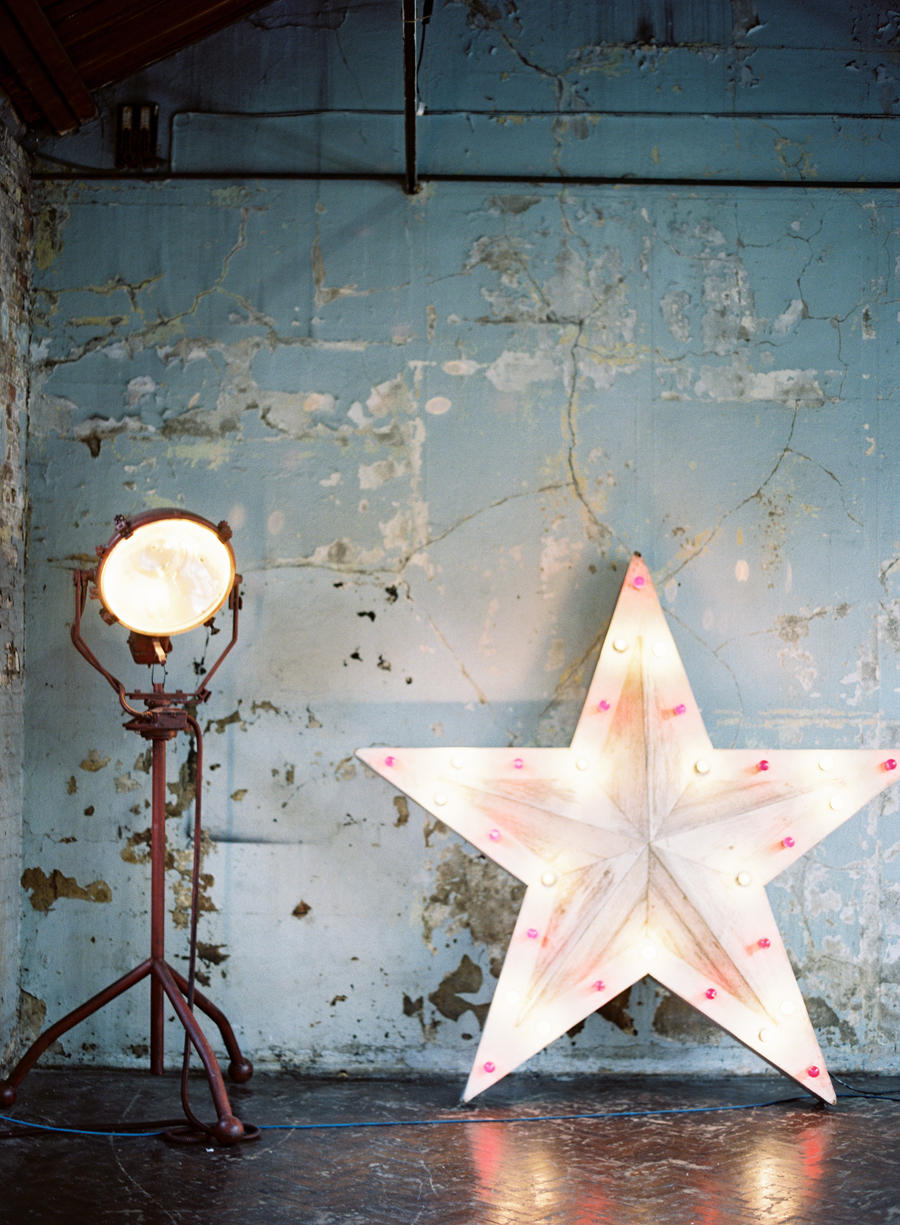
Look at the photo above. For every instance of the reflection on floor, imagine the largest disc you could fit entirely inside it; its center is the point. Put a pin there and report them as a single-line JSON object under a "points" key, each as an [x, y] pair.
{"points": [[497, 1162]]}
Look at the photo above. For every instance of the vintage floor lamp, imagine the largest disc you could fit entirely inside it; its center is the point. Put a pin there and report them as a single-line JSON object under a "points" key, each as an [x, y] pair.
{"points": [[162, 573]]}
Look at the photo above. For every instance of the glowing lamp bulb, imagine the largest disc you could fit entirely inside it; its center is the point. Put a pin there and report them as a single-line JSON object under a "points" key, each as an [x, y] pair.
{"points": [[620, 645], [762, 765], [390, 761], [171, 572], [680, 709], [599, 985], [494, 835], [824, 763], [836, 803], [701, 766], [582, 764], [456, 763], [518, 763], [532, 933], [787, 1009], [440, 799], [710, 993], [787, 842], [489, 1066], [891, 763], [765, 1035], [548, 879], [744, 879], [603, 705], [764, 942], [812, 1071], [638, 581]]}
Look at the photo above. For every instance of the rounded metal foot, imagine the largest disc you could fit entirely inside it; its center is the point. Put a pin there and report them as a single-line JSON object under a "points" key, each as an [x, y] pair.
{"points": [[7, 1094], [240, 1070], [229, 1130]]}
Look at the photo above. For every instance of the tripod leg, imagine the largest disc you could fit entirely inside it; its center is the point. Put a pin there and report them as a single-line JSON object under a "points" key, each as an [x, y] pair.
{"points": [[229, 1129], [32, 1055], [239, 1069]]}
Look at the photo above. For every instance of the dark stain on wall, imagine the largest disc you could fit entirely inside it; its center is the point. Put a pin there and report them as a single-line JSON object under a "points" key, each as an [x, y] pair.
{"points": [[466, 979], [45, 890]]}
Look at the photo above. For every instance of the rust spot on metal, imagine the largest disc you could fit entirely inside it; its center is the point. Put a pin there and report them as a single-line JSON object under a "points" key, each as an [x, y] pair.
{"points": [[45, 890]]}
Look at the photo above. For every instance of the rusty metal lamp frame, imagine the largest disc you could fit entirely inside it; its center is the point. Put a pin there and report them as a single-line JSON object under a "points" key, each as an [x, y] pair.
{"points": [[164, 715]]}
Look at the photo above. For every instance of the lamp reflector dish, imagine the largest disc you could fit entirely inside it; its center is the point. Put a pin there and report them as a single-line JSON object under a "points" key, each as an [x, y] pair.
{"points": [[168, 576]]}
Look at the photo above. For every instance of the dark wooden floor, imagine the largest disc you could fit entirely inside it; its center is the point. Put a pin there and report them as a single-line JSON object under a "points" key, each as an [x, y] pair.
{"points": [[497, 1163]]}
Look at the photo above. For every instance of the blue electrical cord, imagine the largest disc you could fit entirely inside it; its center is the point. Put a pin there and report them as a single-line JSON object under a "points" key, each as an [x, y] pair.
{"points": [[537, 1118]]}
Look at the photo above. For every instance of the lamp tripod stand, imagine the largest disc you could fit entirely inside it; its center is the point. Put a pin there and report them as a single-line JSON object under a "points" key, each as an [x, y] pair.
{"points": [[165, 714]]}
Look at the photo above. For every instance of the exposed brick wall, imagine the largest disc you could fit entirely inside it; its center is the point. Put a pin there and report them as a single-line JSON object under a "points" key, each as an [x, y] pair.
{"points": [[15, 263]]}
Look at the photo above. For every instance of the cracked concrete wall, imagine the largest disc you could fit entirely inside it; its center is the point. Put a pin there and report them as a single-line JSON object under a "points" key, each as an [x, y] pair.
{"points": [[439, 426], [15, 260]]}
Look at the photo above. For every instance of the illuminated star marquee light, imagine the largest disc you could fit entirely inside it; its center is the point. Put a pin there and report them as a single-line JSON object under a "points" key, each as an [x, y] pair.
{"points": [[645, 851]]}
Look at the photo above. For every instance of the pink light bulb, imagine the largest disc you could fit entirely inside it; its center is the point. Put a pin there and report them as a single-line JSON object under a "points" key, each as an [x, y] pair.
{"points": [[764, 942], [638, 581], [891, 763], [532, 933], [812, 1071], [679, 709], [390, 760], [762, 765], [518, 763], [603, 704], [490, 1066], [494, 835], [599, 985], [787, 842], [710, 993]]}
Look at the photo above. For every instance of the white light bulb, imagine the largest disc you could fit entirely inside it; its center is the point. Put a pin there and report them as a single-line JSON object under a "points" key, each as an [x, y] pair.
{"points": [[582, 764], [787, 1009], [456, 763], [548, 879], [744, 879], [620, 645], [440, 799], [836, 803], [765, 1035], [824, 763], [701, 766]]}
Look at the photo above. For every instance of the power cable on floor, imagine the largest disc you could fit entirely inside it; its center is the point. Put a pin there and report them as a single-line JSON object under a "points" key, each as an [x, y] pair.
{"points": [[457, 1120]]}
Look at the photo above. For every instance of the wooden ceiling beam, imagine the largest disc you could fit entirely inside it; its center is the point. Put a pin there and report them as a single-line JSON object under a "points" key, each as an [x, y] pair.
{"points": [[53, 58], [32, 76]]}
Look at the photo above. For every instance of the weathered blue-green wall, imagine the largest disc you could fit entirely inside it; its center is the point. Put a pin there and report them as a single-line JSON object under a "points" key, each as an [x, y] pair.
{"points": [[440, 425]]}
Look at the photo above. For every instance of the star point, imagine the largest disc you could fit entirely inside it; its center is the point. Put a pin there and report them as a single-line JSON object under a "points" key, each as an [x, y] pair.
{"points": [[644, 851]]}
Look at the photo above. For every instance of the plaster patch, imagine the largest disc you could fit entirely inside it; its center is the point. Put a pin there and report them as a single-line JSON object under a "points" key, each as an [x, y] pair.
{"points": [[515, 371], [437, 405], [790, 317], [45, 890], [390, 397], [737, 382], [373, 476], [461, 366]]}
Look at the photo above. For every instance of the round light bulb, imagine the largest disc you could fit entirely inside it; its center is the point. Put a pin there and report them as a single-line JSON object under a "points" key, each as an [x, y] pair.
{"points": [[762, 765], [518, 763], [489, 1066], [679, 709], [598, 984], [787, 1009], [765, 1035], [638, 581], [548, 879], [532, 933], [620, 645], [494, 835], [172, 572], [710, 993], [582, 764], [890, 763], [744, 879], [701, 766], [440, 799], [603, 705], [764, 942], [390, 761], [824, 763], [836, 803], [456, 763], [812, 1071]]}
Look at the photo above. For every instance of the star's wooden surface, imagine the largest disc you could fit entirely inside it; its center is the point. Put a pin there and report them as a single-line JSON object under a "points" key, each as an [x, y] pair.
{"points": [[645, 851]]}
